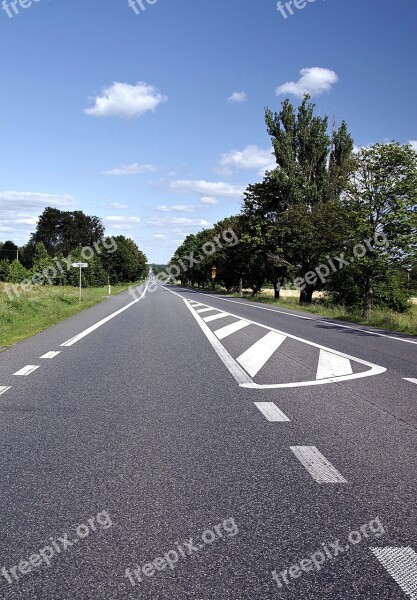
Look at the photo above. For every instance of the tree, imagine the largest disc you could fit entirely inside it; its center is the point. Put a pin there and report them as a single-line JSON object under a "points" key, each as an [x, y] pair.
{"points": [[8, 251], [127, 263], [382, 201], [64, 231], [302, 197]]}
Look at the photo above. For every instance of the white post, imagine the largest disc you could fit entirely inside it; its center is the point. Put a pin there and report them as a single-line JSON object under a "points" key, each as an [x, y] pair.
{"points": [[80, 284]]}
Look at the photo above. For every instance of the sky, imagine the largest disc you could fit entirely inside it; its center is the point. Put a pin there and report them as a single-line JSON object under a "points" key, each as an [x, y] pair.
{"points": [[151, 115]]}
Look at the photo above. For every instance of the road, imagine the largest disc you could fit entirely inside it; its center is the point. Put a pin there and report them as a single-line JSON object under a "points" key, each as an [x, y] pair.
{"points": [[178, 444]]}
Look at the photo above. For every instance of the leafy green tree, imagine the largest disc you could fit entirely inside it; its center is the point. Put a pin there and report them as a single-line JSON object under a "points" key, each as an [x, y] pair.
{"points": [[17, 272], [8, 251], [4, 270], [127, 263], [382, 202]]}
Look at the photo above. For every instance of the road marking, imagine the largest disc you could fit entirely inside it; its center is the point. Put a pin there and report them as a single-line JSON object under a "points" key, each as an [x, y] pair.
{"points": [[27, 370], [333, 323], [51, 354], [317, 465], [4, 388], [247, 382], [257, 355], [236, 370], [401, 564], [221, 315], [332, 365], [203, 310], [89, 330], [272, 412], [224, 332], [411, 380]]}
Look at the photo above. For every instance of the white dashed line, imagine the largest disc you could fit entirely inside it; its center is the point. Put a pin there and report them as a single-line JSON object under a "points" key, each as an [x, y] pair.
{"points": [[258, 355], [27, 370], [272, 412], [317, 465], [89, 330], [401, 564], [51, 354], [224, 332], [4, 388], [332, 365], [411, 380]]}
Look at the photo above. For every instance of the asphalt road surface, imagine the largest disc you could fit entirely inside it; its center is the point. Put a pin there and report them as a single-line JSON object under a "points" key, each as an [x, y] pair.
{"points": [[177, 444]]}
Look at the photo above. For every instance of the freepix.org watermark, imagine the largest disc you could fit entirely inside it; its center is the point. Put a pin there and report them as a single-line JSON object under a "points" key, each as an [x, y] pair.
{"points": [[328, 552], [183, 550], [55, 546], [286, 8], [139, 6], [11, 8], [50, 273], [324, 270]]}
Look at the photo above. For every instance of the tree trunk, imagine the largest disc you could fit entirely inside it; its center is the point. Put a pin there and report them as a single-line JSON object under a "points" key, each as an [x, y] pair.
{"points": [[368, 297], [277, 289], [306, 295]]}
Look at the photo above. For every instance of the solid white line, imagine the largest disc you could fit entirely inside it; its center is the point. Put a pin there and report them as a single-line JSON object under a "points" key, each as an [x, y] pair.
{"points": [[317, 465], [51, 354], [332, 365], [401, 564], [203, 310], [411, 380], [27, 370], [272, 412], [221, 315], [78, 337], [4, 388], [267, 309], [257, 355], [224, 332], [238, 373]]}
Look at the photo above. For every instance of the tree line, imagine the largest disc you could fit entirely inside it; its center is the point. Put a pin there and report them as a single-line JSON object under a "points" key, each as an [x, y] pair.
{"points": [[63, 237], [324, 207]]}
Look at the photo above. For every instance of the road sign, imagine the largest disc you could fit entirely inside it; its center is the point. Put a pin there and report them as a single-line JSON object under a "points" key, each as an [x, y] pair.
{"points": [[213, 273], [80, 266]]}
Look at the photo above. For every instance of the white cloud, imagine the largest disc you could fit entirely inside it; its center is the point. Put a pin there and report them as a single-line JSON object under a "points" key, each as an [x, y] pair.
{"points": [[237, 98], [207, 188], [119, 219], [36, 200], [116, 205], [134, 169], [159, 236], [161, 221], [313, 81], [208, 201], [176, 208], [251, 157], [124, 100]]}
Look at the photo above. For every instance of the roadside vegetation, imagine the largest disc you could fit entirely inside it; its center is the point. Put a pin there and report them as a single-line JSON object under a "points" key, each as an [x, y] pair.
{"points": [[328, 218], [43, 306]]}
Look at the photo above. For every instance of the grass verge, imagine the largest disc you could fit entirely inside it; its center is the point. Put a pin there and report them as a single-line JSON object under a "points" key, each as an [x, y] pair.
{"points": [[37, 310], [383, 319]]}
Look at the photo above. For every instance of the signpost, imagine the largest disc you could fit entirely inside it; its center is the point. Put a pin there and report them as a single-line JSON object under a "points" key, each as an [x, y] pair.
{"points": [[80, 266], [213, 275]]}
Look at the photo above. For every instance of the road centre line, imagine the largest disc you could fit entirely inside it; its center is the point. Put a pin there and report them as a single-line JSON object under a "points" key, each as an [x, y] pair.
{"points": [[401, 564], [410, 379], [4, 389], [89, 330], [317, 465], [51, 354], [272, 412], [26, 370]]}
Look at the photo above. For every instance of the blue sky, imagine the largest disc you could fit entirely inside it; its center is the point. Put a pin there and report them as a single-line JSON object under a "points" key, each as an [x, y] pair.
{"points": [[155, 121]]}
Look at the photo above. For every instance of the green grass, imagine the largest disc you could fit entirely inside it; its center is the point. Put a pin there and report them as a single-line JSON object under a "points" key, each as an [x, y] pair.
{"points": [[384, 319], [37, 310]]}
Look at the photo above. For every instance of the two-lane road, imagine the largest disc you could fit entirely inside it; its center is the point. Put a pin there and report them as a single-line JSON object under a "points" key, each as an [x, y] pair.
{"points": [[188, 446]]}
